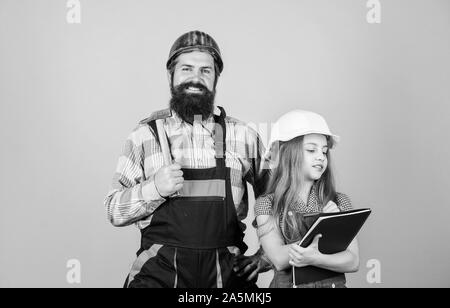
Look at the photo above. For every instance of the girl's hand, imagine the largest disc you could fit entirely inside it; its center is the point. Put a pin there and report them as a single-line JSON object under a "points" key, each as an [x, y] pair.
{"points": [[301, 257], [331, 207]]}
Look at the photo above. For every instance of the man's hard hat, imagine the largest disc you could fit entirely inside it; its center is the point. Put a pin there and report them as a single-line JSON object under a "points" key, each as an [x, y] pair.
{"points": [[196, 40], [299, 123]]}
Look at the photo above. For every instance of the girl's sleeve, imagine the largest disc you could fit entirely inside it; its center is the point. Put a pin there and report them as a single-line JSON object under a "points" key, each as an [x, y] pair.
{"points": [[343, 202], [263, 206]]}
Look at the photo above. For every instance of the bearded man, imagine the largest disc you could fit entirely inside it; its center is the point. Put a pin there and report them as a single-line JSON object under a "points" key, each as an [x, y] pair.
{"points": [[190, 211]]}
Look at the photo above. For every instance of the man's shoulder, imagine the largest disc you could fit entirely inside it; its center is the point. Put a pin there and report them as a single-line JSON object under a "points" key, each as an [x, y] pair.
{"points": [[143, 131], [233, 120], [240, 125], [157, 115]]}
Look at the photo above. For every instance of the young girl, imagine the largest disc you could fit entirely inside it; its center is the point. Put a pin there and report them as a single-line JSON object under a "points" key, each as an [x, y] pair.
{"points": [[301, 182]]}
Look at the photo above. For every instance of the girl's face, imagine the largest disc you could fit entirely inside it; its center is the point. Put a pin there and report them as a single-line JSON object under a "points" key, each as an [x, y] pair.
{"points": [[315, 161]]}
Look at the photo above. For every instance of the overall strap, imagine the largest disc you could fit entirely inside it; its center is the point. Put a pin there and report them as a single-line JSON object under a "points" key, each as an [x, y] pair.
{"points": [[220, 139]]}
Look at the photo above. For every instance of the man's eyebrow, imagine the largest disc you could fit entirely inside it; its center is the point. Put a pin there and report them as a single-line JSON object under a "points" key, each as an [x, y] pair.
{"points": [[190, 66]]}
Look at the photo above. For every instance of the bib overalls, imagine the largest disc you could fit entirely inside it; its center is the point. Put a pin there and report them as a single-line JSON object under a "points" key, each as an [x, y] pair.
{"points": [[185, 245]]}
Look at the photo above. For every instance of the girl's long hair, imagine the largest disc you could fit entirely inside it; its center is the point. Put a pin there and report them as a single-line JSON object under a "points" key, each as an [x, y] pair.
{"points": [[286, 181]]}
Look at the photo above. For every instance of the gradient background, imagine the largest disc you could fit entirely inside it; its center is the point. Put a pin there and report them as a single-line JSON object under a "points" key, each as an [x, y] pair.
{"points": [[71, 93]]}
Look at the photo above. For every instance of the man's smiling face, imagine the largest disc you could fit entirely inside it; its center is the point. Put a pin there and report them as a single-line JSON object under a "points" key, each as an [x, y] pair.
{"points": [[193, 85], [195, 67]]}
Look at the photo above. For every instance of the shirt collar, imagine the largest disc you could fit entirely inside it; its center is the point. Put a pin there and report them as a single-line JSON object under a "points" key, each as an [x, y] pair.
{"points": [[312, 203]]}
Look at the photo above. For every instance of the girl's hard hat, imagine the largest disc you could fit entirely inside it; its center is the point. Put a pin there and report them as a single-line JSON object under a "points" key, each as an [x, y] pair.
{"points": [[299, 123]]}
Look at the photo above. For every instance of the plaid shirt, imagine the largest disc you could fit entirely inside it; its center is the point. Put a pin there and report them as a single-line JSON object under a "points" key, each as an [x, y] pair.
{"points": [[133, 197]]}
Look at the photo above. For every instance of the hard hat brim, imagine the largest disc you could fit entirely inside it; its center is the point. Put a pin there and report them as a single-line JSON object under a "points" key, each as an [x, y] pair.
{"points": [[335, 139], [211, 50]]}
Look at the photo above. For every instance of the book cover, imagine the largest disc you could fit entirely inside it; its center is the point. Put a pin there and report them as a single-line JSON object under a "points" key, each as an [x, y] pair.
{"points": [[338, 231]]}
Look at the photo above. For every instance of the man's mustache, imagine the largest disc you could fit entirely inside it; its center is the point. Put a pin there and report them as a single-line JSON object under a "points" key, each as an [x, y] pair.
{"points": [[186, 85]]}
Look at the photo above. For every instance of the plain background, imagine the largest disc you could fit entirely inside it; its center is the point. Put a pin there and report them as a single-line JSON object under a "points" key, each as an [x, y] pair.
{"points": [[71, 93]]}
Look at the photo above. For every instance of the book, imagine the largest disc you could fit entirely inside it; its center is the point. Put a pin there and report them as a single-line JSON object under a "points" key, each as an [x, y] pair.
{"points": [[338, 231]]}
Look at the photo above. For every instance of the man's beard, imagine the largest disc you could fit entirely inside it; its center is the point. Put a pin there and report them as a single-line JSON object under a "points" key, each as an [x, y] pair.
{"points": [[190, 106]]}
